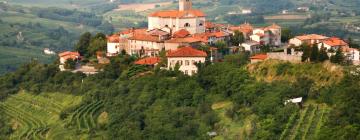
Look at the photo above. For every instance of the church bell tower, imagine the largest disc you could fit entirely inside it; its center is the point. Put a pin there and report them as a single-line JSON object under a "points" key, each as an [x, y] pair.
{"points": [[185, 5]]}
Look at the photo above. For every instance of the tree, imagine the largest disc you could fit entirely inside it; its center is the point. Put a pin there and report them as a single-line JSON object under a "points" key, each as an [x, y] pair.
{"points": [[237, 38], [70, 64], [352, 44], [338, 58], [314, 53], [83, 43], [306, 52], [286, 35], [323, 56]]}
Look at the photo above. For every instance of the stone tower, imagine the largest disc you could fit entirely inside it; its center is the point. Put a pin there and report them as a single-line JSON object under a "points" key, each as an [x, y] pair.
{"points": [[185, 5]]}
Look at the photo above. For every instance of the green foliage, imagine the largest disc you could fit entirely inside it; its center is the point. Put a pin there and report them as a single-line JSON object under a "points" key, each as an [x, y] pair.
{"points": [[286, 35], [238, 59], [237, 38], [70, 64], [338, 58], [323, 56], [83, 43], [306, 52], [314, 53]]}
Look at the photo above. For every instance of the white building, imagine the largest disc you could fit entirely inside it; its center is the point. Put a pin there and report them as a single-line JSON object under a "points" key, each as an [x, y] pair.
{"points": [[251, 46], [185, 18], [270, 35], [186, 58]]}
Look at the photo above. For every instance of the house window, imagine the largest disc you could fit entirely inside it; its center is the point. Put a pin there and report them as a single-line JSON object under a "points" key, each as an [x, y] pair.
{"points": [[201, 24], [187, 25], [193, 62], [186, 72], [166, 25], [187, 62]]}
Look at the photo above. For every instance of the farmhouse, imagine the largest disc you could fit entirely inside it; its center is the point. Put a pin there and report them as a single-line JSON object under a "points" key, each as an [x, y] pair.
{"points": [[186, 58]]}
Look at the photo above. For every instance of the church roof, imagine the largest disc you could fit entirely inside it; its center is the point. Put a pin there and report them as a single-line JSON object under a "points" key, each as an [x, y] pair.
{"points": [[186, 52], [181, 33], [178, 14]]}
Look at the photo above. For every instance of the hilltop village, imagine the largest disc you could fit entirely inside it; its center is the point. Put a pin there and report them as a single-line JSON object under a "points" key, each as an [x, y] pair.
{"points": [[182, 33]]}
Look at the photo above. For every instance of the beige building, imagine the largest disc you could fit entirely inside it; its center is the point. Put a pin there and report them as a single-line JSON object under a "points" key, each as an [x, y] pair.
{"points": [[186, 58], [310, 39]]}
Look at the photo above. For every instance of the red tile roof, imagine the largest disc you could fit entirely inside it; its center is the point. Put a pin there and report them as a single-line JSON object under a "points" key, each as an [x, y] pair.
{"points": [[148, 61], [209, 25], [115, 38], [178, 14], [311, 37], [145, 37], [259, 57], [245, 28], [181, 33], [184, 40], [69, 55], [186, 52], [273, 26], [334, 41]]}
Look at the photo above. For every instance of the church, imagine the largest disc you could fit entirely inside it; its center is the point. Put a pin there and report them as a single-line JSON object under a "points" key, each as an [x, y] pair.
{"points": [[185, 17], [167, 30]]}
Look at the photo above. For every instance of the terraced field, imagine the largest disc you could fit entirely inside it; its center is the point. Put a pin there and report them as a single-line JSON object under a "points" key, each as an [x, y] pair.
{"points": [[37, 117], [306, 124]]}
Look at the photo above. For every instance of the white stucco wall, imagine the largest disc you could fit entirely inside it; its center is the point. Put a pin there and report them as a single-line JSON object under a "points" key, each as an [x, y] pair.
{"points": [[186, 64], [112, 48], [178, 23], [295, 42]]}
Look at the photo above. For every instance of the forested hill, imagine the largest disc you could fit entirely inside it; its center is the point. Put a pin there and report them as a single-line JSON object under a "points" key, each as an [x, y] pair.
{"points": [[231, 98]]}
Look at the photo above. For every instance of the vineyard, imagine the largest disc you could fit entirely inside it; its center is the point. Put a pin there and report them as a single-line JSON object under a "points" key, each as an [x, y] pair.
{"points": [[306, 124], [37, 117]]}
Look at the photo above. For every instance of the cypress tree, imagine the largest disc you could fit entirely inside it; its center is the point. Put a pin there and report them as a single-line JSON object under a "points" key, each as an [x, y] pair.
{"points": [[314, 53], [338, 58], [306, 53], [323, 54]]}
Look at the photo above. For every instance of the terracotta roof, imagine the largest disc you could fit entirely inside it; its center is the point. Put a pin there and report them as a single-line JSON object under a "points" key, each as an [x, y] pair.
{"points": [[115, 38], [145, 37], [158, 32], [178, 14], [311, 37], [181, 33], [186, 52], [148, 61], [245, 28], [204, 37], [259, 57], [184, 40], [334, 41], [69, 55], [209, 25], [273, 26]]}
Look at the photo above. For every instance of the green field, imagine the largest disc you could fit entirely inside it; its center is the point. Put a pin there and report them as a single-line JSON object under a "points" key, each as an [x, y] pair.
{"points": [[38, 116]]}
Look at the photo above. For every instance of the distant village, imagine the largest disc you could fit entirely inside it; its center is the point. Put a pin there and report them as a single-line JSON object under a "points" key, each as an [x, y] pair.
{"points": [[180, 33]]}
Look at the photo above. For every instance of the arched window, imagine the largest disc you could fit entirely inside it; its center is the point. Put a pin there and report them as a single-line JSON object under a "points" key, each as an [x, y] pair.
{"points": [[166, 25], [187, 25], [201, 24]]}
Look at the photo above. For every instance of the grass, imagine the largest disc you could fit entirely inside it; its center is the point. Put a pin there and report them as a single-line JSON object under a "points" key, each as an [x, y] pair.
{"points": [[229, 128], [38, 116]]}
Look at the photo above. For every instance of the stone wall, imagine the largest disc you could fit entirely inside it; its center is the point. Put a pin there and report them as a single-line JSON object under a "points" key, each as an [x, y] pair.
{"points": [[296, 58]]}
